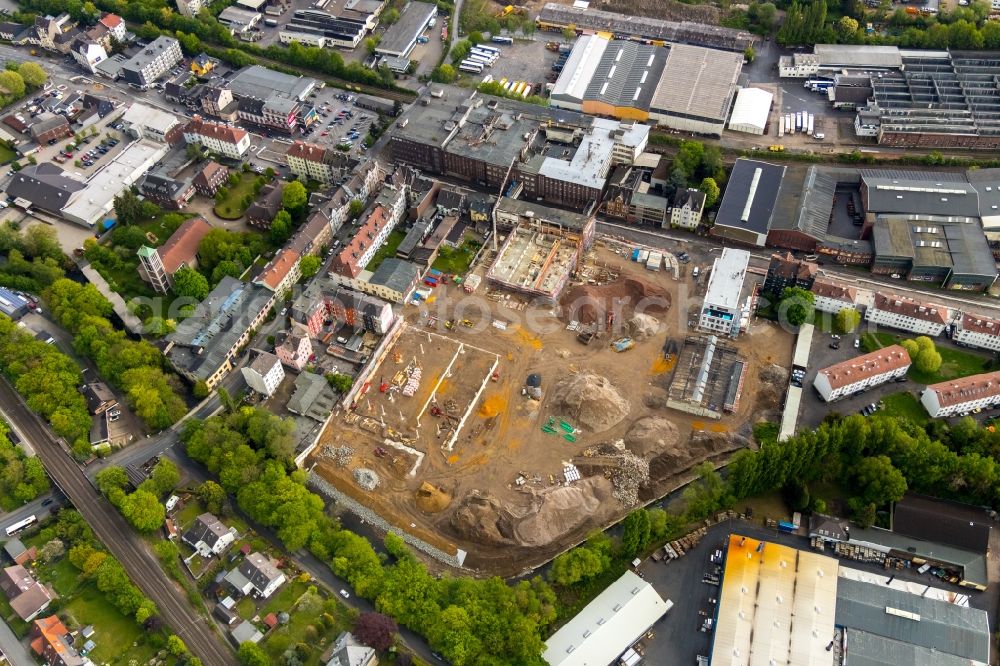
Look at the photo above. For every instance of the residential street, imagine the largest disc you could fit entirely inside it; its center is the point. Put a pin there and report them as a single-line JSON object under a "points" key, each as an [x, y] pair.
{"points": [[12, 649]]}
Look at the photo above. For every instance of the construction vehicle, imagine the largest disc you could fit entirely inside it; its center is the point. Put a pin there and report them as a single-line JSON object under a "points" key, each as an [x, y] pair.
{"points": [[495, 376], [623, 344], [450, 324], [467, 323], [510, 10], [776, 149]]}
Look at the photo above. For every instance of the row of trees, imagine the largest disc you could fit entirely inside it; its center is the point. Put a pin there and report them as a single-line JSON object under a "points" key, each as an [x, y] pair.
{"points": [[34, 258], [469, 621], [22, 479], [47, 379], [141, 508], [134, 366]]}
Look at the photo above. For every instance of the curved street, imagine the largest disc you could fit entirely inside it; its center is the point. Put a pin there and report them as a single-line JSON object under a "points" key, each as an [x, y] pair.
{"points": [[197, 632]]}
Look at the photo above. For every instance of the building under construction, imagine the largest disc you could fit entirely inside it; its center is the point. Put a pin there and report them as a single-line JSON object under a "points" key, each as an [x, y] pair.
{"points": [[708, 378], [542, 249]]}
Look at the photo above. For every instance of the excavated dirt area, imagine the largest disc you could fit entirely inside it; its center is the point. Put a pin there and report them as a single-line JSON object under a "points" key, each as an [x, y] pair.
{"points": [[469, 462], [590, 304]]}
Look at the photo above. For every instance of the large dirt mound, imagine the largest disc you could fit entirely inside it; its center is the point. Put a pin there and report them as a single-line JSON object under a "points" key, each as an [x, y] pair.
{"points": [[564, 509], [642, 326], [482, 519], [773, 384], [700, 447], [589, 304], [591, 401], [652, 436], [431, 499]]}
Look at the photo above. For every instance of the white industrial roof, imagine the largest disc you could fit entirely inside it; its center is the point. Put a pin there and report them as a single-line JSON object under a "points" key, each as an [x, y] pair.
{"points": [[608, 625], [803, 344], [752, 108], [726, 283], [767, 591], [97, 199], [580, 67], [147, 116], [790, 413]]}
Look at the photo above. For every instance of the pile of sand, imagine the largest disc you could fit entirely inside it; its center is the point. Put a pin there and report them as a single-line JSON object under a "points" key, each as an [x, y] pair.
{"points": [[642, 326], [773, 384], [589, 304], [562, 510], [482, 519], [590, 401], [431, 499], [655, 398], [653, 436]]}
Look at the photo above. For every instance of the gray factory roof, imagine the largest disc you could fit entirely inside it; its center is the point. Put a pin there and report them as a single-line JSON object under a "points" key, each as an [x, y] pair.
{"points": [[313, 397], [680, 32], [260, 82], [956, 244], [45, 185], [395, 274], [867, 649], [414, 236], [401, 35], [847, 55], [698, 83], [627, 74], [920, 193], [751, 195], [565, 218], [987, 184], [900, 616]]}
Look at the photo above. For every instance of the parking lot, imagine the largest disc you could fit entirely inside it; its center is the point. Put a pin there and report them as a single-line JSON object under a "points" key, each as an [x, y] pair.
{"points": [[524, 61]]}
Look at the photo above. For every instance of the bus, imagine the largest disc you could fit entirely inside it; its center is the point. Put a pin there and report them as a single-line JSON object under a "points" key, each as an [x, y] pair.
{"points": [[488, 49], [507, 86], [470, 66], [482, 60], [811, 83], [20, 525], [483, 54], [502, 40]]}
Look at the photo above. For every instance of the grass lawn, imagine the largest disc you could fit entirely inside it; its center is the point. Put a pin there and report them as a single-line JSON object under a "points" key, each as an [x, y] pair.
{"points": [[905, 405], [7, 155], [162, 227], [306, 626], [246, 608], [387, 250], [954, 362], [232, 207], [284, 598], [456, 260], [119, 639]]}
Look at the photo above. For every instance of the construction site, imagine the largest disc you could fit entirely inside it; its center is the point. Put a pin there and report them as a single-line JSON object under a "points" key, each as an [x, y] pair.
{"points": [[506, 430]]}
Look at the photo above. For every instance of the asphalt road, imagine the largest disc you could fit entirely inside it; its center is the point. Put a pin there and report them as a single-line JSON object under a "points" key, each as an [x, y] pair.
{"points": [[118, 536], [12, 649]]}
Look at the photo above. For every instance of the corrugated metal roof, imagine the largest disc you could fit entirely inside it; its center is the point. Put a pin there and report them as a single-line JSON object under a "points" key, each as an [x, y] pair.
{"points": [[698, 82], [579, 68]]}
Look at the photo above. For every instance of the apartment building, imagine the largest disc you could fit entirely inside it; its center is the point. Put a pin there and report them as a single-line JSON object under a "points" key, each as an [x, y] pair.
{"points": [[688, 207], [861, 373], [356, 254], [228, 141], [189, 7], [264, 374], [311, 162], [977, 331], [784, 271], [833, 297], [721, 310], [961, 396], [906, 314], [155, 60], [210, 178], [294, 348], [281, 272]]}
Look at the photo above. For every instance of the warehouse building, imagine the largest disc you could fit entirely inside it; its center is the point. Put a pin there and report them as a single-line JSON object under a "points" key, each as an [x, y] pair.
{"points": [[830, 58], [749, 202], [318, 28], [696, 89], [751, 111], [399, 40], [613, 78], [779, 605], [555, 17]]}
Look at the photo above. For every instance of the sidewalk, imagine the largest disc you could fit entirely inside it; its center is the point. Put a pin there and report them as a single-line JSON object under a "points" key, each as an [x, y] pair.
{"points": [[12, 649]]}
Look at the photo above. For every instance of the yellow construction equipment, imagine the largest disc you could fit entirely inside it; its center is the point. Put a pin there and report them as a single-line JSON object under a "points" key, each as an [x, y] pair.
{"points": [[510, 9]]}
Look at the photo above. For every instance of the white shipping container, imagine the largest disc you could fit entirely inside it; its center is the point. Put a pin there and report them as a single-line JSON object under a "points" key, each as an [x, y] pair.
{"points": [[643, 256], [811, 118], [654, 261]]}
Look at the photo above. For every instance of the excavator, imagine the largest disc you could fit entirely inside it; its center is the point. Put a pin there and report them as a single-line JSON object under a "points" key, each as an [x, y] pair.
{"points": [[511, 10]]}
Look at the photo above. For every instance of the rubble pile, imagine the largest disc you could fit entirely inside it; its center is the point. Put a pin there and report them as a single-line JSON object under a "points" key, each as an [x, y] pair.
{"points": [[340, 455], [631, 474]]}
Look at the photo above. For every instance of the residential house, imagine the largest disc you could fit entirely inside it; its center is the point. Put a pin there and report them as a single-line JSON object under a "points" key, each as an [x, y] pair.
{"points": [[53, 643], [54, 33], [347, 651], [88, 53], [281, 272], [450, 202], [189, 7], [26, 595], [219, 103], [201, 65], [157, 265], [167, 192], [906, 314], [18, 552], [230, 142], [294, 348], [785, 271], [261, 213], [325, 165], [862, 373], [257, 575], [687, 210], [49, 126], [312, 398], [14, 32], [480, 209], [205, 345], [210, 178], [99, 397], [313, 236], [833, 297], [264, 373], [208, 535], [963, 395], [116, 27], [394, 280], [977, 331]]}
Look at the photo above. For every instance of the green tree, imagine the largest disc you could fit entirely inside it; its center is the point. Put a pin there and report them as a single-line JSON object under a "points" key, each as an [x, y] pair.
{"points": [[797, 306], [928, 361], [281, 227], [569, 32], [309, 265], [878, 481], [176, 646], [200, 389], [580, 563], [110, 479], [251, 654], [128, 208], [165, 476], [294, 198], [142, 509], [846, 320], [355, 208], [371, 43], [341, 383], [390, 16], [847, 28], [211, 495], [635, 532], [12, 84], [444, 73], [32, 74], [711, 190], [190, 283], [749, 54]]}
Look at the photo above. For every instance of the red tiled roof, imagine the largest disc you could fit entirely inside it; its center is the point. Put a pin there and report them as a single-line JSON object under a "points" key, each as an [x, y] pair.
{"points": [[346, 262], [307, 151], [214, 130], [854, 370], [112, 21], [908, 307], [278, 269], [957, 391], [182, 246], [788, 266], [979, 324], [837, 292], [50, 630]]}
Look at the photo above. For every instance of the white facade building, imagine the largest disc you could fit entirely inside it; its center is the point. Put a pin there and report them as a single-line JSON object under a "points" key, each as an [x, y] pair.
{"points": [[960, 396], [189, 7], [264, 374], [750, 113], [977, 331], [907, 314], [88, 54], [832, 297], [687, 210], [228, 141], [720, 312], [861, 373]]}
